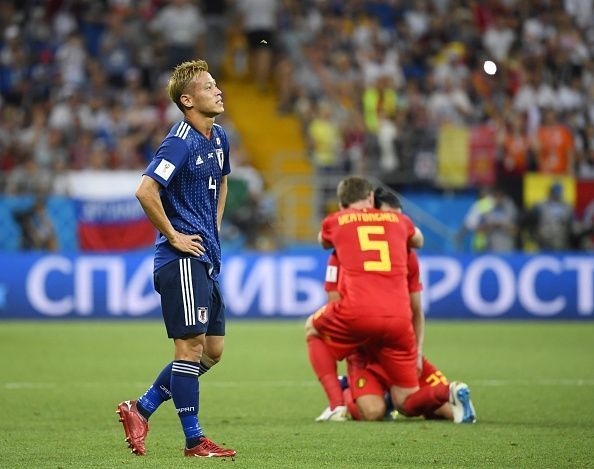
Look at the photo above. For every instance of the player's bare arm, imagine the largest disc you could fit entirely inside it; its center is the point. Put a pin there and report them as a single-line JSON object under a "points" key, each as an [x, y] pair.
{"points": [[221, 202], [324, 242], [148, 196], [417, 240], [418, 326]]}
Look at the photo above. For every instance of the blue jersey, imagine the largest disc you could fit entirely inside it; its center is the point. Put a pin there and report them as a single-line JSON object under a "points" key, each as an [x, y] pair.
{"points": [[189, 168]]}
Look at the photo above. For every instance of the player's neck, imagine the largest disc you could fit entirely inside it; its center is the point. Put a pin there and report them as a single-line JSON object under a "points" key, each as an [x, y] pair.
{"points": [[202, 124], [361, 205]]}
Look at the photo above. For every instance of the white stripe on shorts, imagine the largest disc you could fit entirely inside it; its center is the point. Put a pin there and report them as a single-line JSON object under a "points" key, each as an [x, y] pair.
{"points": [[182, 277], [191, 290]]}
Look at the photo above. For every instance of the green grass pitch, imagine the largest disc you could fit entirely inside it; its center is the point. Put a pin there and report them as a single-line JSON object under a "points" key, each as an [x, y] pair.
{"points": [[532, 385]]}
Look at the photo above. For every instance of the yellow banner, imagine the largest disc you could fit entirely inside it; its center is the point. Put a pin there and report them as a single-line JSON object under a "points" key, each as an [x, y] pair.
{"points": [[453, 156], [538, 185]]}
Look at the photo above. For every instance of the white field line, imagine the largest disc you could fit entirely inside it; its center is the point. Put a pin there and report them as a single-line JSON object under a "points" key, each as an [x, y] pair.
{"points": [[15, 386]]}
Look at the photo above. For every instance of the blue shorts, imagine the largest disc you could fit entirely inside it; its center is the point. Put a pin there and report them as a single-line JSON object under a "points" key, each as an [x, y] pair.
{"points": [[191, 301]]}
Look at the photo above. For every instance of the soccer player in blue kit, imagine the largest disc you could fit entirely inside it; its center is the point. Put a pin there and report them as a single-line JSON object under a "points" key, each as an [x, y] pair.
{"points": [[183, 192]]}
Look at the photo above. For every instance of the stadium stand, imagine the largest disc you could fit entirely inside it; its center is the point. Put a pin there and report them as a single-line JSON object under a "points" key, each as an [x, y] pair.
{"points": [[394, 90]]}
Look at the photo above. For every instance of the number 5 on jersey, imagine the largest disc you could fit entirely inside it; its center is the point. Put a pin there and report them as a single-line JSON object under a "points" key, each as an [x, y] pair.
{"points": [[384, 264]]}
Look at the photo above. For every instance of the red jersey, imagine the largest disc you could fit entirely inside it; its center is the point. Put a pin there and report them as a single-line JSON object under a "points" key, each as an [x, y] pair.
{"points": [[372, 248], [414, 273], [413, 277]]}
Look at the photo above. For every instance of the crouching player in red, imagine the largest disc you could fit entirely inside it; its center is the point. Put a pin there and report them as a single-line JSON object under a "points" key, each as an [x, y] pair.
{"points": [[368, 382], [374, 308], [367, 385]]}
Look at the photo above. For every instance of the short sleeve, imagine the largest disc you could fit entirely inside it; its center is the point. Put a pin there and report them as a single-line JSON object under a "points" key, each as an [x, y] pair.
{"points": [[226, 156], [410, 227], [168, 160], [414, 273], [329, 228]]}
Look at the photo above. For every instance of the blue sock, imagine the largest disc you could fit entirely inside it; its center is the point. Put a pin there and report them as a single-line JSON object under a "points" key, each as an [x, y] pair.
{"points": [[389, 406], [157, 394], [184, 390]]}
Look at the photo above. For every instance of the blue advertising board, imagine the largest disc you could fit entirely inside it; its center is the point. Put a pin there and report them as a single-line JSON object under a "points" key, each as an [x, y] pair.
{"points": [[289, 284]]}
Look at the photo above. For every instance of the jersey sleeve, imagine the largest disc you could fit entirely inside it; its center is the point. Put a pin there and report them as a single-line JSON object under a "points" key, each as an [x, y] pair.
{"points": [[410, 227], [226, 157], [168, 160], [414, 273], [329, 225], [332, 271]]}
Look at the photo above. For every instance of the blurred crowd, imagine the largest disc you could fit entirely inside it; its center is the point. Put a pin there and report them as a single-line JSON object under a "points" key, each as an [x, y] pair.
{"points": [[364, 74], [374, 81], [82, 83], [82, 87]]}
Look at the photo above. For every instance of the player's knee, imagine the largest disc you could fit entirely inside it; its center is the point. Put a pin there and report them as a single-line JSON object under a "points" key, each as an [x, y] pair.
{"points": [[372, 411], [190, 349], [371, 407]]}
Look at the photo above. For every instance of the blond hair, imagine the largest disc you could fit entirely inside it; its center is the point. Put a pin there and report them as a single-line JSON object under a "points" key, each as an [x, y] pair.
{"points": [[181, 77]]}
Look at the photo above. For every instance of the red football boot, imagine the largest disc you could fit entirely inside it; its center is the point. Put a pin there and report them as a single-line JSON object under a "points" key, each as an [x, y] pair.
{"points": [[135, 426], [209, 449]]}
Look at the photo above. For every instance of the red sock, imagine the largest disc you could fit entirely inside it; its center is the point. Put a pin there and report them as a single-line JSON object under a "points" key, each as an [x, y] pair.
{"points": [[351, 405], [324, 365], [426, 400]]}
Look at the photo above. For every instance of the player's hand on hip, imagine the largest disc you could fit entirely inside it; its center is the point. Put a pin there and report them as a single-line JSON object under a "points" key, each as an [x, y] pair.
{"points": [[191, 244]]}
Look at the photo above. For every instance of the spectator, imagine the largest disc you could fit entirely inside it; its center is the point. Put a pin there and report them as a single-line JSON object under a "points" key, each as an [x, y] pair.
{"points": [[29, 178], [182, 27], [514, 146], [472, 221], [552, 221], [324, 137], [37, 229], [258, 18], [115, 53], [248, 206], [554, 146], [71, 57], [215, 16], [499, 224], [379, 105], [498, 39], [325, 144]]}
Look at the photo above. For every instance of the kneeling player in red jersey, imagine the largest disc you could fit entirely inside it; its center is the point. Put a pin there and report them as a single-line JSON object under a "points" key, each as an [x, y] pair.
{"points": [[374, 307], [368, 381]]}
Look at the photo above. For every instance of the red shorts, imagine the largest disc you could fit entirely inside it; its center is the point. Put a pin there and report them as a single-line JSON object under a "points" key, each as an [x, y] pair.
{"points": [[364, 378], [335, 332], [370, 378], [391, 338]]}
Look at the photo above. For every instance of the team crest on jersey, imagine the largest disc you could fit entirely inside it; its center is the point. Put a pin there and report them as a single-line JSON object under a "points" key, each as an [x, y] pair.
{"points": [[361, 382], [202, 314], [220, 157], [199, 160]]}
